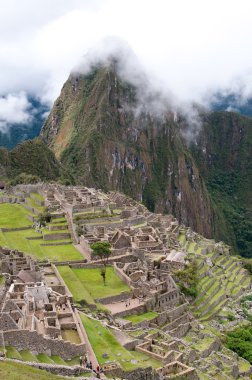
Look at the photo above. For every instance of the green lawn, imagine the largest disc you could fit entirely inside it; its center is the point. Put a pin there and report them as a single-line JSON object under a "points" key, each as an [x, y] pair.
{"points": [[13, 216], [141, 317], [17, 371], [75, 286], [87, 284], [38, 196], [92, 281], [103, 341], [18, 240]]}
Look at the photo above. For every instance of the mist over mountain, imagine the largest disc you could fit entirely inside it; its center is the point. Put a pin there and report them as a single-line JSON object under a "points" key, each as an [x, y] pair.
{"points": [[13, 133]]}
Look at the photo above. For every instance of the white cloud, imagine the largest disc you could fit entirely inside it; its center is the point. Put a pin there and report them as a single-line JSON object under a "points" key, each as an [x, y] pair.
{"points": [[14, 109], [192, 47]]}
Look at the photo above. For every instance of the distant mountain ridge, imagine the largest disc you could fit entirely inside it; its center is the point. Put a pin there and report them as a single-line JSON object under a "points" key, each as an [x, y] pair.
{"points": [[25, 131]]}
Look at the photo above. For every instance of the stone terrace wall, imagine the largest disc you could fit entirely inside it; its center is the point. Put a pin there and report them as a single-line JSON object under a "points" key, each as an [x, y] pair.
{"points": [[120, 273], [54, 368], [24, 339], [137, 374], [119, 297]]}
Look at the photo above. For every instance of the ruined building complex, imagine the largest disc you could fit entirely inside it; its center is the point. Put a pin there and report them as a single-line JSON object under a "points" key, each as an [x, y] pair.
{"points": [[149, 252], [35, 314]]}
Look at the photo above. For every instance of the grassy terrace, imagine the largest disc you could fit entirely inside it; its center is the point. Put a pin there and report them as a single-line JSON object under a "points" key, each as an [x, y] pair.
{"points": [[35, 205], [17, 371], [227, 279], [26, 355], [19, 240], [141, 317], [15, 215], [87, 284], [102, 340], [37, 196]]}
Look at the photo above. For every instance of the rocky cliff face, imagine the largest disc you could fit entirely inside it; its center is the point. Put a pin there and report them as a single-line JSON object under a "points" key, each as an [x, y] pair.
{"points": [[223, 155], [101, 135]]}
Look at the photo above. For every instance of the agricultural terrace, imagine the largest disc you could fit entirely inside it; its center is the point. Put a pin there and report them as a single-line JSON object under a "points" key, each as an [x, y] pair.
{"points": [[13, 216], [18, 371], [27, 240]]}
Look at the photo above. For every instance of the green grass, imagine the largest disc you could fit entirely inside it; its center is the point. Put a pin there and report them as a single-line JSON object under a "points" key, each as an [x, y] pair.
{"points": [[18, 240], [13, 216], [58, 360], [28, 356], [12, 353], [58, 221], [75, 286], [43, 358], [103, 341], [38, 196], [141, 317], [92, 281], [34, 204], [17, 371], [55, 232]]}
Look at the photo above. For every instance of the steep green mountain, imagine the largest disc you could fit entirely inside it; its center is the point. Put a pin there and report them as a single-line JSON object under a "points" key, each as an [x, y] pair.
{"points": [[31, 157], [223, 154], [106, 138]]}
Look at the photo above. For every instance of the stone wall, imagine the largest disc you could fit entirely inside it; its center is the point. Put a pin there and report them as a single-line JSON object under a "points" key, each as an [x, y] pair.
{"points": [[31, 340], [171, 314], [120, 273], [181, 330], [119, 297], [7, 199], [137, 310], [137, 374], [15, 229], [214, 346], [57, 236]]}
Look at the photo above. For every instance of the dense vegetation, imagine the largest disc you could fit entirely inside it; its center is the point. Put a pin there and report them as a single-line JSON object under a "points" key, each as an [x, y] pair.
{"points": [[240, 341], [30, 162], [188, 279]]}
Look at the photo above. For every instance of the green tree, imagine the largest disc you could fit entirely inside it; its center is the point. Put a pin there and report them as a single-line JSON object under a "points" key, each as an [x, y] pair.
{"points": [[102, 249], [44, 217]]}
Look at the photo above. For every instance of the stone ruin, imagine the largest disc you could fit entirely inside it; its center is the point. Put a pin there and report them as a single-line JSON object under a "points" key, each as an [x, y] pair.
{"points": [[146, 254], [33, 315]]}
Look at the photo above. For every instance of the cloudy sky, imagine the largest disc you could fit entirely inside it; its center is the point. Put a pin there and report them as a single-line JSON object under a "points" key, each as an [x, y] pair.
{"points": [[191, 47]]}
